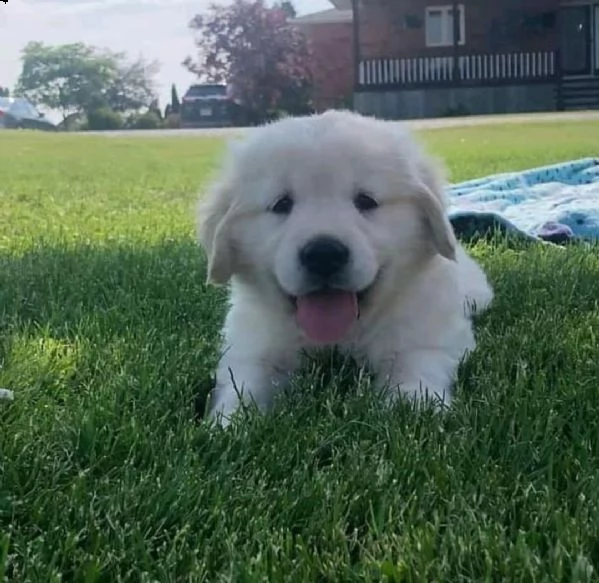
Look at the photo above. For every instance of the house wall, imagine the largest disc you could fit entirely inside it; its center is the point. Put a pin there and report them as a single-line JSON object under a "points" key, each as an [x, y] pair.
{"points": [[332, 63], [426, 103], [396, 29]]}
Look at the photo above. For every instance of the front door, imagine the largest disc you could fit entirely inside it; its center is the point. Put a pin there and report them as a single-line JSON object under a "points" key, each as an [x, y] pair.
{"points": [[576, 30]]}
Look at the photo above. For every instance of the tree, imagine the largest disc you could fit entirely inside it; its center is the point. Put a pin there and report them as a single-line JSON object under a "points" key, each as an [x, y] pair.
{"points": [[288, 8], [4, 92], [154, 109], [255, 50], [132, 84], [175, 103], [68, 78], [76, 78]]}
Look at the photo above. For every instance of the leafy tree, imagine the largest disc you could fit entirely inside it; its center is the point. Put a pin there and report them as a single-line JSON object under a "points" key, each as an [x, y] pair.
{"points": [[288, 8], [68, 78], [132, 84], [155, 110], [77, 78], [258, 52], [175, 103], [4, 92]]}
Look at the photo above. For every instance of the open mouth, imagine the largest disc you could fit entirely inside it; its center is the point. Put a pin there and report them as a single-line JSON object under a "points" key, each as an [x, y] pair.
{"points": [[327, 315]]}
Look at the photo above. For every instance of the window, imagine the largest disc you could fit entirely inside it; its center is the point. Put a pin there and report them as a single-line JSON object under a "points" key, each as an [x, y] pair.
{"points": [[439, 26]]}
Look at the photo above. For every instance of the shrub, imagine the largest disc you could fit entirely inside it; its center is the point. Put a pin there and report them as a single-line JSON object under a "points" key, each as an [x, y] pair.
{"points": [[145, 121], [74, 122], [172, 121], [104, 118]]}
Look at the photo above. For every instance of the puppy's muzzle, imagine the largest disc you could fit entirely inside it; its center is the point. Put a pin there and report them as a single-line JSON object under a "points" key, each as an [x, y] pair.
{"points": [[324, 257]]}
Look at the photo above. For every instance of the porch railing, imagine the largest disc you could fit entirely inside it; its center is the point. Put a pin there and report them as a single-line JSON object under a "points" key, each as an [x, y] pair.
{"points": [[479, 69]]}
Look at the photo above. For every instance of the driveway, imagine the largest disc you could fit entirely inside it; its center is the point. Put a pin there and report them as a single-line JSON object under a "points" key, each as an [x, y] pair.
{"points": [[445, 122]]}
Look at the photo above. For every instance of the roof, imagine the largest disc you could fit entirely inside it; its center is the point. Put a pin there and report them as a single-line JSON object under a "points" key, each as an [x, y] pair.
{"points": [[342, 4], [333, 15]]}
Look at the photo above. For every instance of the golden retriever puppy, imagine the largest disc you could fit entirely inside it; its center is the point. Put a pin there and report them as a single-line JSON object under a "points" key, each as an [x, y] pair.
{"points": [[331, 230]]}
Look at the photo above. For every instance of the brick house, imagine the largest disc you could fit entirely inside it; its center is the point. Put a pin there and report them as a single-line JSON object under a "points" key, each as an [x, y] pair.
{"points": [[330, 34], [412, 58]]}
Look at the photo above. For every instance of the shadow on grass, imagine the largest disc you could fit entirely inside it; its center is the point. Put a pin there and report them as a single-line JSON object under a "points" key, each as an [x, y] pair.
{"points": [[103, 470], [77, 318], [82, 318]]}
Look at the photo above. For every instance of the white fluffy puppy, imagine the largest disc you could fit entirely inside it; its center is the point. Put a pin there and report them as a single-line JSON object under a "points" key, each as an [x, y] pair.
{"points": [[331, 230]]}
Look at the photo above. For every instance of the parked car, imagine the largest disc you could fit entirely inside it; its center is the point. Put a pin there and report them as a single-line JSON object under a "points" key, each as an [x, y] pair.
{"points": [[20, 113], [207, 105]]}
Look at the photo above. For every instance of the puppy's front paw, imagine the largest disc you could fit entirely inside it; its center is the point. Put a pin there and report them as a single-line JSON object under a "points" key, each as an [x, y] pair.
{"points": [[220, 418], [223, 403], [419, 394]]}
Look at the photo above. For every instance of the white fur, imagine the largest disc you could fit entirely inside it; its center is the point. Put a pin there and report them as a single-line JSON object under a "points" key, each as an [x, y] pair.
{"points": [[415, 326]]}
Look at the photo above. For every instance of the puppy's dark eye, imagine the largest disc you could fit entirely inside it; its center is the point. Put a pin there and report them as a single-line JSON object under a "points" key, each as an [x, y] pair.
{"points": [[364, 202], [283, 206]]}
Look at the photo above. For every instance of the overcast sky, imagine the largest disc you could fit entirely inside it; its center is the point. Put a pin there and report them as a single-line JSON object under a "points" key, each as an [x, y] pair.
{"points": [[155, 29]]}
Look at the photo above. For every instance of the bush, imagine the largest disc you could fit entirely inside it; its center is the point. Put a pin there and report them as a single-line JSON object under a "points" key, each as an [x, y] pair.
{"points": [[104, 118], [172, 121], [74, 122], [145, 121]]}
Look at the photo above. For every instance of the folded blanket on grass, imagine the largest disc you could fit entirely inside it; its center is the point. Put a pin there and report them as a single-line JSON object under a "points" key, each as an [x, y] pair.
{"points": [[553, 203]]}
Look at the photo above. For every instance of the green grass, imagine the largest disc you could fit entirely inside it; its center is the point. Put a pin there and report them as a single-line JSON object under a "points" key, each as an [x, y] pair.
{"points": [[108, 332]]}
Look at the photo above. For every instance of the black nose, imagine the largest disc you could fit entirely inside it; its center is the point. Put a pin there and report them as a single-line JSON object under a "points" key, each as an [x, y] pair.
{"points": [[324, 256]]}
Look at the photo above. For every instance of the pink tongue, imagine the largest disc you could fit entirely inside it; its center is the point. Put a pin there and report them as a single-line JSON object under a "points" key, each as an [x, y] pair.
{"points": [[326, 317]]}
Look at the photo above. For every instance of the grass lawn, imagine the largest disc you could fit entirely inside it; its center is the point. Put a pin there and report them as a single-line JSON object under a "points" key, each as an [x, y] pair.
{"points": [[107, 334]]}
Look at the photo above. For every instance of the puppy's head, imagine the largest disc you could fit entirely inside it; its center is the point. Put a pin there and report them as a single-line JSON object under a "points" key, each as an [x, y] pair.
{"points": [[329, 212]]}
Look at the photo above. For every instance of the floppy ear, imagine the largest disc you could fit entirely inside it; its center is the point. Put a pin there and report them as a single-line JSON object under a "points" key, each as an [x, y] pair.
{"points": [[214, 213], [430, 198]]}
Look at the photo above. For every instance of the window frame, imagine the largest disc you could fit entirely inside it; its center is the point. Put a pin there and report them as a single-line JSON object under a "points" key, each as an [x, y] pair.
{"points": [[445, 10]]}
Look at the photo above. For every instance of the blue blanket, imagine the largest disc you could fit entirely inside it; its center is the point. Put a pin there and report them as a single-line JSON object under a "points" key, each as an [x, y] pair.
{"points": [[552, 203]]}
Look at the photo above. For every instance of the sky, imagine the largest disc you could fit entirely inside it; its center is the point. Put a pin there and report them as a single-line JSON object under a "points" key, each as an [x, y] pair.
{"points": [[154, 29]]}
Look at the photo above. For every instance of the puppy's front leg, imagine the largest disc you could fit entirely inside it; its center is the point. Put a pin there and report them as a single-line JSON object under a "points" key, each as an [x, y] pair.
{"points": [[418, 374], [256, 364], [243, 381]]}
